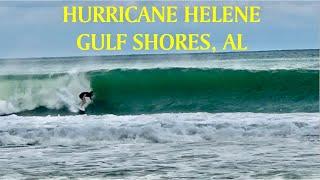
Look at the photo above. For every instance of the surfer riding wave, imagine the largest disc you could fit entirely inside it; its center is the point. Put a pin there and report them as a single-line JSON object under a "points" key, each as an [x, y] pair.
{"points": [[83, 97]]}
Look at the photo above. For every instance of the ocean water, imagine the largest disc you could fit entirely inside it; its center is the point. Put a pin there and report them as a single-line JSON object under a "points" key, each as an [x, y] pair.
{"points": [[250, 115]]}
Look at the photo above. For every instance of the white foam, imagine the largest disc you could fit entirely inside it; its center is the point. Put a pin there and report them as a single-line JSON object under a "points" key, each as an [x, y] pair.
{"points": [[156, 128], [54, 93]]}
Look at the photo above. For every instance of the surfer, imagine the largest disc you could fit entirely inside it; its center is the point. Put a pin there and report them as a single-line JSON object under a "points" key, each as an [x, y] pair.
{"points": [[83, 96]]}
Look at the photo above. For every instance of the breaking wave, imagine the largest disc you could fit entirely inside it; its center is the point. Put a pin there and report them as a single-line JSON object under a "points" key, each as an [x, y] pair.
{"points": [[163, 90]]}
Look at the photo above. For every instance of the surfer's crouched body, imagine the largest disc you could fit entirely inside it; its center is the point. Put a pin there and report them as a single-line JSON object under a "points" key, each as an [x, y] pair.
{"points": [[83, 96]]}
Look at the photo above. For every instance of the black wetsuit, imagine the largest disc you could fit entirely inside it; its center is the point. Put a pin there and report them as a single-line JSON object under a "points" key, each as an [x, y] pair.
{"points": [[85, 94]]}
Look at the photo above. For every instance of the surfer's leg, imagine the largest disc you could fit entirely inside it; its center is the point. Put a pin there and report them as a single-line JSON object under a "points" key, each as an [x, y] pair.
{"points": [[83, 102]]}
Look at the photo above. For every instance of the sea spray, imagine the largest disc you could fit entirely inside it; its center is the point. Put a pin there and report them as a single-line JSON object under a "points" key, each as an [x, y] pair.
{"points": [[21, 93]]}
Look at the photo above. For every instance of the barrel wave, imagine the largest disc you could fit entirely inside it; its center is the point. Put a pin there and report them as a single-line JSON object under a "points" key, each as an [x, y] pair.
{"points": [[132, 91], [198, 90]]}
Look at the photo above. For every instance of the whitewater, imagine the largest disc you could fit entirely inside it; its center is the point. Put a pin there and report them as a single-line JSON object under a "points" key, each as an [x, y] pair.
{"points": [[249, 115], [162, 146]]}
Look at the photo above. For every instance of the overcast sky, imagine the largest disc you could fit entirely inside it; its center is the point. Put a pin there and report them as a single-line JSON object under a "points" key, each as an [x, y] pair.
{"points": [[36, 29]]}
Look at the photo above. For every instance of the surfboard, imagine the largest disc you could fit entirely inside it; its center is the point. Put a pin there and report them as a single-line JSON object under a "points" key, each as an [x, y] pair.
{"points": [[7, 114], [82, 112]]}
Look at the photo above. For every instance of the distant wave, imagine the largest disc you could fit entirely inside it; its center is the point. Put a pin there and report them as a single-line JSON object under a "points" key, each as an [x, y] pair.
{"points": [[269, 60]]}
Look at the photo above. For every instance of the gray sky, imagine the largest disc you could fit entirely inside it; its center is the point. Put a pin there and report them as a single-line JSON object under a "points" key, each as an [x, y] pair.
{"points": [[36, 29]]}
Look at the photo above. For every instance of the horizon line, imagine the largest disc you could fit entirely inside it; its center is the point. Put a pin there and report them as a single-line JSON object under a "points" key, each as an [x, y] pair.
{"points": [[144, 54]]}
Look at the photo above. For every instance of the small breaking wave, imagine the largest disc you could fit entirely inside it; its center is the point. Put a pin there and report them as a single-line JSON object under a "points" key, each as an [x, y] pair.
{"points": [[156, 128]]}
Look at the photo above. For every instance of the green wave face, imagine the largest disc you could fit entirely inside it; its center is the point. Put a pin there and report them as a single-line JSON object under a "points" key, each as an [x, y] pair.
{"points": [[200, 90]]}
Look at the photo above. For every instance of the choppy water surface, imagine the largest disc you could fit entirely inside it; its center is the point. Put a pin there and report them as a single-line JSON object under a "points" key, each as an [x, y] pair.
{"points": [[162, 146]]}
